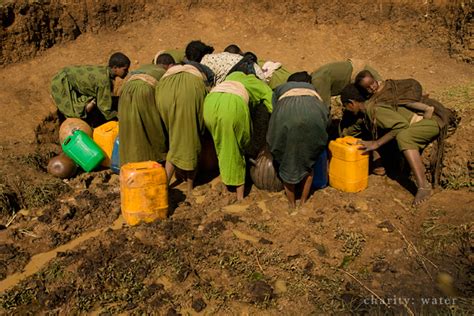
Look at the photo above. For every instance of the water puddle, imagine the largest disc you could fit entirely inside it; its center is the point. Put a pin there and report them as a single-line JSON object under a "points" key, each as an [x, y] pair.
{"points": [[38, 261]]}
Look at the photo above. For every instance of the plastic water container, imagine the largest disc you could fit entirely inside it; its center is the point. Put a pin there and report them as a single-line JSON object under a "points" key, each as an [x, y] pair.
{"points": [[348, 167], [143, 192], [104, 136], [83, 150], [320, 179], [115, 160]]}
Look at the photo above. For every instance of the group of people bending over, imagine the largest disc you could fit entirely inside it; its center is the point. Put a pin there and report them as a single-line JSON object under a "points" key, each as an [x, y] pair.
{"points": [[166, 107]]}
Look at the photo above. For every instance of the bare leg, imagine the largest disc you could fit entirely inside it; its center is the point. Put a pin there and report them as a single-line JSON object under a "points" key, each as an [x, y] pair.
{"points": [[169, 167], [424, 188], [240, 192], [377, 167], [190, 175], [306, 187], [418, 106], [290, 193]]}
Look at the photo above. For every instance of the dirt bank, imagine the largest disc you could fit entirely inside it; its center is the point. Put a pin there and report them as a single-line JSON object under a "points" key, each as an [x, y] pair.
{"points": [[29, 27]]}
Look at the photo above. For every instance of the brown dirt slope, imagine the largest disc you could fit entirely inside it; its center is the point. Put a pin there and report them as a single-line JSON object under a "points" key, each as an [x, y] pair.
{"points": [[29, 27]]}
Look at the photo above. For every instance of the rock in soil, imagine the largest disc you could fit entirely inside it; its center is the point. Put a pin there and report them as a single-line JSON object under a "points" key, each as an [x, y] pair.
{"points": [[199, 305]]}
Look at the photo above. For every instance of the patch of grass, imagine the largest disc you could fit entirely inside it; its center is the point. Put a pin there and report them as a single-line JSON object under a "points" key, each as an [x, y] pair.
{"points": [[325, 294], [23, 296], [37, 160], [439, 237], [36, 195], [456, 183], [52, 272], [261, 227], [457, 97], [353, 245], [8, 200]]}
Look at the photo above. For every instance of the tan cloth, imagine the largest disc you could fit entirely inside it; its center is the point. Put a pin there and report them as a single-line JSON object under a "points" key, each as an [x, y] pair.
{"points": [[415, 119], [144, 77], [183, 68], [357, 66], [300, 92], [233, 87]]}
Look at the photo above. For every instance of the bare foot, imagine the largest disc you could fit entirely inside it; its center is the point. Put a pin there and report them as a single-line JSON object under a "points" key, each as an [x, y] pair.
{"points": [[422, 195], [379, 171], [292, 205], [428, 112]]}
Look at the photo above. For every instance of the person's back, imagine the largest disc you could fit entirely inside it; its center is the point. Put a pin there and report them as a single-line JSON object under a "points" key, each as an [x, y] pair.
{"points": [[78, 90], [297, 132], [330, 79], [84, 81], [150, 69], [141, 133], [220, 64]]}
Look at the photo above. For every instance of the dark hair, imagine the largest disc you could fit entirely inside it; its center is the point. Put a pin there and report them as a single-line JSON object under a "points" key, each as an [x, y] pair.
{"points": [[361, 75], [251, 57], [196, 50], [351, 93], [119, 60], [302, 76], [246, 64], [165, 59], [234, 49]]}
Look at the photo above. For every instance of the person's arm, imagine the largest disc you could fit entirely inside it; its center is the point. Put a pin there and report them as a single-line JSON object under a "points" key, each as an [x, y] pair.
{"points": [[389, 119], [372, 145], [418, 106], [259, 92]]}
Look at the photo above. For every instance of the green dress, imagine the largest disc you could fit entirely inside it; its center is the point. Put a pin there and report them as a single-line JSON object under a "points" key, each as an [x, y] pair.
{"points": [[74, 87], [227, 117], [330, 79], [279, 76], [179, 99], [396, 121], [141, 133], [297, 132]]}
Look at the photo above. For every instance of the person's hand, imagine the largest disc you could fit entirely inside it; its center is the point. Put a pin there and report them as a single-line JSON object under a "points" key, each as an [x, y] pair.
{"points": [[90, 106], [367, 146]]}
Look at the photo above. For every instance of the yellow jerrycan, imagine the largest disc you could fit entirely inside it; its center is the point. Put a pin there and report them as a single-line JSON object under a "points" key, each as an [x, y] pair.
{"points": [[104, 136], [348, 167], [143, 192]]}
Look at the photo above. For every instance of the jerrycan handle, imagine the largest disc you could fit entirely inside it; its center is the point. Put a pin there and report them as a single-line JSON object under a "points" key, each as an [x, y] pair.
{"points": [[349, 140], [67, 140]]}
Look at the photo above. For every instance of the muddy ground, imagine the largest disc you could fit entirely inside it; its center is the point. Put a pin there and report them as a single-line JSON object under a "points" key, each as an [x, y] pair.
{"points": [[64, 248]]}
